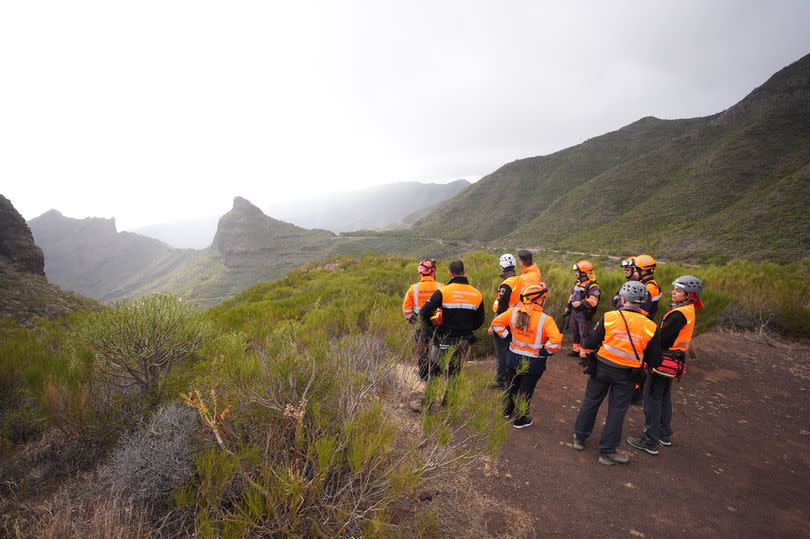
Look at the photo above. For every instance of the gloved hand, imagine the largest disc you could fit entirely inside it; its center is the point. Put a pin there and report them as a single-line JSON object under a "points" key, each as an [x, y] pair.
{"points": [[590, 364], [638, 375]]}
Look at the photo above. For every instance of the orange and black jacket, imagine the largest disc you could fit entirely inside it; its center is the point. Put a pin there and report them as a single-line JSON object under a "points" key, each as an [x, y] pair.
{"points": [[670, 328], [508, 293], [651, 307], [461, 318], [651, 353]]}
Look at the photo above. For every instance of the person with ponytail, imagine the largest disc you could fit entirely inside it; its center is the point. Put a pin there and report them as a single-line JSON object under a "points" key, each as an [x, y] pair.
{"points": [[534, 337]]}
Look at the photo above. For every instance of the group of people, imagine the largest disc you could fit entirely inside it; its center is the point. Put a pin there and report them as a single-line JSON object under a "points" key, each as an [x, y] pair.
{"points": [[628, 357]]}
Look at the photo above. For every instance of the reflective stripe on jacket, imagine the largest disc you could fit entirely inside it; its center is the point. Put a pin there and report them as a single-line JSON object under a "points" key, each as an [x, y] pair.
{"points": [[616, 346], [684, 337], [515, 284], [418, 294], [460, 296], [540, 335]]}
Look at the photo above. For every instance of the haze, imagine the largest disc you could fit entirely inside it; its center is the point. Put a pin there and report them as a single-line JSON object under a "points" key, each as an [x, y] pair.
{"points": [[158, 111]]}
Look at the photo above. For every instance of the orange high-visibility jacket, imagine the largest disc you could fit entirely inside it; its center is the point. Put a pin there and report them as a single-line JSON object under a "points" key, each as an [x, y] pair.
{"points": [[685, 335], [515, 284], [418, 294], [541, 333], [531, 275], [616, 347]]}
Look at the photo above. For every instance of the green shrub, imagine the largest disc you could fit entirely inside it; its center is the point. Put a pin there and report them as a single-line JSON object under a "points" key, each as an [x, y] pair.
{"points": [[135, 342]]}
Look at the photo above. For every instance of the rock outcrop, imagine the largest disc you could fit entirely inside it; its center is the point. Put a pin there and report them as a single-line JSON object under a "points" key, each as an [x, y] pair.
{"points": [[18, 252]]}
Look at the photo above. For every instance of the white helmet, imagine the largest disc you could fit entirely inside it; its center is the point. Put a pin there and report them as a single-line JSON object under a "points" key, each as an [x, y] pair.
{"points": [[507, 261]]}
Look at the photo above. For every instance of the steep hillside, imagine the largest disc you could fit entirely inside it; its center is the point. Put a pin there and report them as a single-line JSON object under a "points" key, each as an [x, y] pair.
{"points": [[730, 185], [91, 257], [25, 294]]}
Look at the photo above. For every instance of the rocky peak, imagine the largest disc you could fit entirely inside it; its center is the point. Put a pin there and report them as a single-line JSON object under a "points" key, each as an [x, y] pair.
{"points": [[18, 252]]}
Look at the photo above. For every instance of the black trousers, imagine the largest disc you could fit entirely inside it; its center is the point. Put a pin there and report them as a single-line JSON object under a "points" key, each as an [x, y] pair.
{"points": [[657, 408], [581, 327], [422, 344], [607, 381], [439, 350], [522, 385], [501, 352]]}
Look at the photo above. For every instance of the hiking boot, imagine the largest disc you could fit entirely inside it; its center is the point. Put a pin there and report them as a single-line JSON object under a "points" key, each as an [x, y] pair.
{"points": [[665, 440], [641, 443], [522, 422], [572, 353], [579, 445], [508, 413], [619, 457]]}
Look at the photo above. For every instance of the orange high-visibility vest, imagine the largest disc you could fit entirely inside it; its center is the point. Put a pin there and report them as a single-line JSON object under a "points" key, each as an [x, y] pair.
{"points": [[616, 346], [654, 289], [516, 284], [531, 275], [685, 336], [542, 332], [418, 294], [460, 296]]}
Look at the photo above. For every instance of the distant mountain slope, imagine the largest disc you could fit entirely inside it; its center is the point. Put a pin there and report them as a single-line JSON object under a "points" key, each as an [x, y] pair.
{"points": [[379, 207], [91, 257], [25, 294], [733, 184]]}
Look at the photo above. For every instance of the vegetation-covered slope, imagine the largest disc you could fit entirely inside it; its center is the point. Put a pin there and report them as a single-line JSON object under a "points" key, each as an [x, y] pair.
{"points": [[723, 186]]}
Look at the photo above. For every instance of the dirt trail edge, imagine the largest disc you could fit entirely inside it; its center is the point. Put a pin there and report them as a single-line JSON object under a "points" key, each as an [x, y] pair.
{"points": [[739, 465]]}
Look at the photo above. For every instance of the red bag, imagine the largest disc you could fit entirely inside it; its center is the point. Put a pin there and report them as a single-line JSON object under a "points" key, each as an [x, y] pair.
{"points": [[673, 365]]}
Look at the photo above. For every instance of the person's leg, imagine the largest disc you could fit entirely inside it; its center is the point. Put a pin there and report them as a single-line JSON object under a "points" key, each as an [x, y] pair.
{"points": [[576, 334], [455, 361], [501, 353], [653, 397], [665, 429], [422, 347], [595, 391], [621, 391], [434, 369]]}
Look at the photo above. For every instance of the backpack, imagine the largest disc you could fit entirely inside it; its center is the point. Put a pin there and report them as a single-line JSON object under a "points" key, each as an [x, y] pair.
{"points": [[672, 366]]}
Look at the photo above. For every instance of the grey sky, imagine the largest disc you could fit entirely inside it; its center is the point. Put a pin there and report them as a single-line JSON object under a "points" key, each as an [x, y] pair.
{"points": [[156, 110]]}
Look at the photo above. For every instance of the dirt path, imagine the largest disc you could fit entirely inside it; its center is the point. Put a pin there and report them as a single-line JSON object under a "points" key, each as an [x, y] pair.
{"points": [[739, 465]]}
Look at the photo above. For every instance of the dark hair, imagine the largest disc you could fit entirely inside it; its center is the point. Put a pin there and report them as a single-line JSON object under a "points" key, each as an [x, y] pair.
{"points": [[525, 256], [456, 267]]}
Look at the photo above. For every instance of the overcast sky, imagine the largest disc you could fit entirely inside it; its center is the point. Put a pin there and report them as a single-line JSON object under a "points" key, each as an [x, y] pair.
{"points": [[152, 111]]}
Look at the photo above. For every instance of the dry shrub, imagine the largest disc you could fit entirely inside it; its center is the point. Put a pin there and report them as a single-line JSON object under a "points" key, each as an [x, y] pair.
{"points": [[148, 464]]}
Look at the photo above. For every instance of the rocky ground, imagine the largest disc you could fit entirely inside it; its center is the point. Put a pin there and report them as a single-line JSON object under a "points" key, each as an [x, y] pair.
{"points": [[739, 465]]}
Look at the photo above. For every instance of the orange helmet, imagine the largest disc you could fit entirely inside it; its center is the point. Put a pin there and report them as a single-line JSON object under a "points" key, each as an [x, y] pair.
{"points": [[629, 262], [645, 263], [534, 292], [586, 267]]}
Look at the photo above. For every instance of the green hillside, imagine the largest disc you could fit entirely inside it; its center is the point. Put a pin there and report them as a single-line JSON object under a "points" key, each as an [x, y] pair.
{"points": [[729, 185]]}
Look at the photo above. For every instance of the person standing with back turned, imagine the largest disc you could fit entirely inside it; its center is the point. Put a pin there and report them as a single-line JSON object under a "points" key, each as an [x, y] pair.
{"points": [[621, 341], [508, 296], [457, 310], [415, 298], [530, 273]]}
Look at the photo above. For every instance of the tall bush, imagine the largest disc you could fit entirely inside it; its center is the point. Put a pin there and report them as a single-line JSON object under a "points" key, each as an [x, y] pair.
{"points": [[135, 342]]}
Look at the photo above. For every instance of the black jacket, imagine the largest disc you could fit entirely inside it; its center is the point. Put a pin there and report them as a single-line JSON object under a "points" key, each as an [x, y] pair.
{"points": [[458, 323]]}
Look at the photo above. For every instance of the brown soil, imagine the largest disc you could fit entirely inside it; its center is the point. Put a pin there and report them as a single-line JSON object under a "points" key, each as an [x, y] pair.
{"points": [[739, 465]]}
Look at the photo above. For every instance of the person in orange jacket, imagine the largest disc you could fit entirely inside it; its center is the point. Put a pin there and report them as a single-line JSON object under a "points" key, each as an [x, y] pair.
{"points": [[675, 334], [534, 337], [617, 348], [457, 311], [416, 296], [508, 296], [530, 273], [646, 272], [582, 302]]}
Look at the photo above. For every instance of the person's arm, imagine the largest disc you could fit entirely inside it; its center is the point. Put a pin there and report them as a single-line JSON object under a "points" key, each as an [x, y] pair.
{"points": [[594, 340], [407, 304], [479, 312], [431, 305], [592, 297], [500, 324], [502, 303], [553, 337]]}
